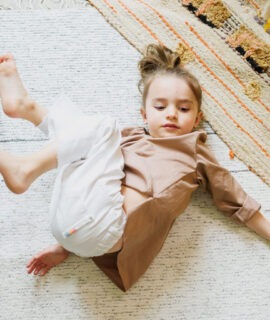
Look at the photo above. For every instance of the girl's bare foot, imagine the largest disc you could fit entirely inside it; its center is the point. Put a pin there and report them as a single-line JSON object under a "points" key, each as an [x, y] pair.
{"points": [[16, 171], [20, 171], [15, 100], [46, 259]]}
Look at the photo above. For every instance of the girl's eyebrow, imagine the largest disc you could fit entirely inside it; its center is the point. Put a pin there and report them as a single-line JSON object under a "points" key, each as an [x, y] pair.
{"points": [[178, 100]]}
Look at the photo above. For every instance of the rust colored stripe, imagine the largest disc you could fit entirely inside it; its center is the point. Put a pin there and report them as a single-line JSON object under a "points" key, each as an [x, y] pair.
{"points": [[110, 6], [236, 123], [254, 4], [141, 22]]}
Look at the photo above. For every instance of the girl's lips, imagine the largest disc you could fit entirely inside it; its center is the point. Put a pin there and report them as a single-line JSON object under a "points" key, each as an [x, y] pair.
{"points": [[172, 126]]}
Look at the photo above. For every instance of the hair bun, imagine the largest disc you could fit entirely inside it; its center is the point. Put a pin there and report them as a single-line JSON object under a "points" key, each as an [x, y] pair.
{"points": [[157, 57], [176, 61]]}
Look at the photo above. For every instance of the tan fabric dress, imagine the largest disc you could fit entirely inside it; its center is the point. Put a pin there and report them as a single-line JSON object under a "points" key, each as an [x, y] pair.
{"points": [[165, 172]]}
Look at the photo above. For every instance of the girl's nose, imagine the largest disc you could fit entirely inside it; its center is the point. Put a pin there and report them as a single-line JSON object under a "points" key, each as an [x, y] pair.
{"points": [[171, 113]]}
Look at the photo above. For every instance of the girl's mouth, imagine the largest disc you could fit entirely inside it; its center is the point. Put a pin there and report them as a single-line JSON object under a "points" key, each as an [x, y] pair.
{"points": [[170, 126]]}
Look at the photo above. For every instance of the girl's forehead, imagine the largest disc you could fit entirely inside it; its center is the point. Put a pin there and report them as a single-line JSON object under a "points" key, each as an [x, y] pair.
{"points": [[170, 86]]}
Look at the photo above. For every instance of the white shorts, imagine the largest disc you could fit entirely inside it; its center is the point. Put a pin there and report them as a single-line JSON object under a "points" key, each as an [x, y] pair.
{"points": [[86, 210]]}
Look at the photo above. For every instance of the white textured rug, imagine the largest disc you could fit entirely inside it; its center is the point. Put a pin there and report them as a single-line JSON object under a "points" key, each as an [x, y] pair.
{"points": [[209, 268]]}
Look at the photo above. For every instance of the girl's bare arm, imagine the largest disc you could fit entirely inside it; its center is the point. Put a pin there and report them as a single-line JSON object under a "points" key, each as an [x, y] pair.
{"points": [[260, 224]]}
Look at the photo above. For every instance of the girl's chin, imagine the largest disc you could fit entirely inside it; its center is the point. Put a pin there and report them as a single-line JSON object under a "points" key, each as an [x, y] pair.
{"points": [[168, 133]]}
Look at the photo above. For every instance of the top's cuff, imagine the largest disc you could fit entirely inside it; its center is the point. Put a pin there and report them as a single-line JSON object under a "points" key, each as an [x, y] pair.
{"points": [[246, 212]]}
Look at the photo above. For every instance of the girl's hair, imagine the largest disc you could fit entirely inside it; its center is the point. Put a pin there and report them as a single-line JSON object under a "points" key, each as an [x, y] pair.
{"points": [[160, 60]]}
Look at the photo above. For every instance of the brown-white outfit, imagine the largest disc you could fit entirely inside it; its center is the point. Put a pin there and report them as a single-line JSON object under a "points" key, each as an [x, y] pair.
{"points": [[167, 171]]}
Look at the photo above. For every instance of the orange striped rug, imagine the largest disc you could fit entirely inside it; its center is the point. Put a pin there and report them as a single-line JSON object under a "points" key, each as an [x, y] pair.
{"points": [[224, 44]]}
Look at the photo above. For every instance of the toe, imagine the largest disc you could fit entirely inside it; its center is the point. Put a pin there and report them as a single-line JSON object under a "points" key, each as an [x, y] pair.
{"points": [[7, 56]]}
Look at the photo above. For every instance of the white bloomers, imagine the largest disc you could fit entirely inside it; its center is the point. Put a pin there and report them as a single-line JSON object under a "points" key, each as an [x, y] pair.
{"points": [[86, 210]]}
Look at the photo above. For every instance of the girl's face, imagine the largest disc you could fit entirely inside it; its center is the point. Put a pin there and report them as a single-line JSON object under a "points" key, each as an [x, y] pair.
{"points": [[171, 108]]}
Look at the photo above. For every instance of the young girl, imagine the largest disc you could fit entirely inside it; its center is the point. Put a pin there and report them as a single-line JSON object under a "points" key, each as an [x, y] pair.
{"points": [[122, 221]]}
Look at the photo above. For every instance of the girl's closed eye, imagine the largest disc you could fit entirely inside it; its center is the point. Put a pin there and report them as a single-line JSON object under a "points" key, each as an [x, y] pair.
{"points": [[184, 109], [159, 107]]}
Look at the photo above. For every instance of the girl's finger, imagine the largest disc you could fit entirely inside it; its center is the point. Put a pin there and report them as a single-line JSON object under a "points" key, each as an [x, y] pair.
{"points": [[44, 271], [31, 262], [37, 269]]}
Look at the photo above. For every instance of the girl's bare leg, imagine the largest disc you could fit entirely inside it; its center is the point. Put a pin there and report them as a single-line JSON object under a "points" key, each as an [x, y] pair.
{"points": [[16, 101], [20, 172]]}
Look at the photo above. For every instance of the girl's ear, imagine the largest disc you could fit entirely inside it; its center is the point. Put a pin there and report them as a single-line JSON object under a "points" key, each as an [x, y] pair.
{"points": [[143, 113], [198, 119]]}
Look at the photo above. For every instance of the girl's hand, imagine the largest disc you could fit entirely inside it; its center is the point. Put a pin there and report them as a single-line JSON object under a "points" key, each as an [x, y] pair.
{"points": [[260, 224], [42, 262]]}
